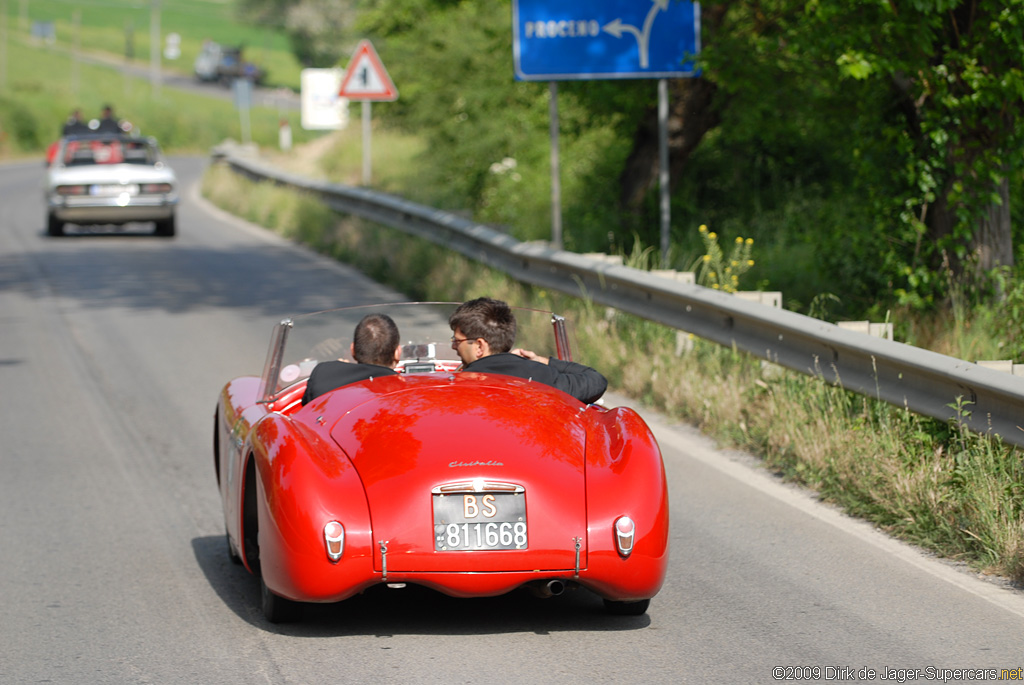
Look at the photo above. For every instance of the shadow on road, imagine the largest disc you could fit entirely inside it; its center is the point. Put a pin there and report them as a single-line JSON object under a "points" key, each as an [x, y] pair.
{"points": [[142, 272], [412, 610]]}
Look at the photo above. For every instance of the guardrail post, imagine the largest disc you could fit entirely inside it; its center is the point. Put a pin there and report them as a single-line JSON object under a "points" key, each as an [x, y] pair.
{"points": [[877, 330], [602, 257], [672, 274], [1002, 365], [769, 298]]}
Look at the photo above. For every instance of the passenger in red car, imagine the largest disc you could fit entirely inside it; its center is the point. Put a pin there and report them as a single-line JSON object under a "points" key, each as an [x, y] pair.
{"points": [[376, 348], [485, 330]]}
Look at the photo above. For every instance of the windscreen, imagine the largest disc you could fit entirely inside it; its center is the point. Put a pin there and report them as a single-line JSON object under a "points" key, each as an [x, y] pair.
{"points": [[303, 341]]}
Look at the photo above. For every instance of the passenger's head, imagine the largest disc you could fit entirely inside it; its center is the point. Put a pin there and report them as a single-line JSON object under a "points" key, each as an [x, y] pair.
{"points": [[482, 319], [376, 341]]}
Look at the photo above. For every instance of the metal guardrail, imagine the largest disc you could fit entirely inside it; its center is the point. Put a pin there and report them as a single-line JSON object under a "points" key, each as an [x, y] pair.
{"points": [[924, 382]]}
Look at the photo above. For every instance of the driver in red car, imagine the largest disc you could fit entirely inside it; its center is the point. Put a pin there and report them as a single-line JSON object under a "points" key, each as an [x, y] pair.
{"points": [[485, 330], [376, 347]]}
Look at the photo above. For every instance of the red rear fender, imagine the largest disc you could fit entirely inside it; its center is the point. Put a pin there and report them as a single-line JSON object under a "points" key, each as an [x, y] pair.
{"points": [[305, 481], [626, 477]]}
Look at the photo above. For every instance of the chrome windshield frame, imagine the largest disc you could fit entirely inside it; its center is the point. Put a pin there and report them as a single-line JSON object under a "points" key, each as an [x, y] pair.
{"points": [[562, 346], [272, 367]]}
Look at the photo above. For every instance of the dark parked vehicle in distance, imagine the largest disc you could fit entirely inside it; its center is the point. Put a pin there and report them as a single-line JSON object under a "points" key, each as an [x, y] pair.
{"points": [[222, 64]]}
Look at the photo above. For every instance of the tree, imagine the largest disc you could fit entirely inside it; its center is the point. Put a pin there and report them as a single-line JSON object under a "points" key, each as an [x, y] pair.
{"points": [[954, 73], [314, 27], [922, 98]]}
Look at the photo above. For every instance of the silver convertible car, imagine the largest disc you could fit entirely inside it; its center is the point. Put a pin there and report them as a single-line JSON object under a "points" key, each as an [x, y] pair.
{"points": [[110, 179]]}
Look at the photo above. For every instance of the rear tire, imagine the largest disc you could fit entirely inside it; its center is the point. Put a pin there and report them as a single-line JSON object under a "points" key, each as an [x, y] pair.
{"points": [[166, 228], [54, 226], [232, 554], [278, 609], [615, 608]]}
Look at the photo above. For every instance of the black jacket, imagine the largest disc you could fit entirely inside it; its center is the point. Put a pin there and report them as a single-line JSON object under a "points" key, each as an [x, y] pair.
{"points": [[582, 382], [327, 376]]}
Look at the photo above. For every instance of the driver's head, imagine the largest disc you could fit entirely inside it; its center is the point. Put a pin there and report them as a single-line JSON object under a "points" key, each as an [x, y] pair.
{"points": [[376, 341], [486, 319]]}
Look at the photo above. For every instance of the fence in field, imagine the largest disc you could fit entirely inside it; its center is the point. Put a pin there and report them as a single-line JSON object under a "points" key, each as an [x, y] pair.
{"points": [[987, 400]]}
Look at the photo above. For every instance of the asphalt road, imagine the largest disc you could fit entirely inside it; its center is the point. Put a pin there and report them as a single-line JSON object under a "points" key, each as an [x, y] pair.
{"points": [[113, 569]]}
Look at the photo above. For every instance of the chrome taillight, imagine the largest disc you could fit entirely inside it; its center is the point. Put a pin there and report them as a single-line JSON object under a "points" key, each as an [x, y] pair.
{"points": [[625, 534], [72, 190], [334, 536]]}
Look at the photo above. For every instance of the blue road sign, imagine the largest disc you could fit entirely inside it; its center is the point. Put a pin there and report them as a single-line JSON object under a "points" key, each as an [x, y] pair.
{"points": [[560, 40]]}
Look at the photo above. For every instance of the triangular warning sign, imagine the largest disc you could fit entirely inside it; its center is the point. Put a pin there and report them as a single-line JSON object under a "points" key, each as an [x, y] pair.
{"points": [[366, 78]]}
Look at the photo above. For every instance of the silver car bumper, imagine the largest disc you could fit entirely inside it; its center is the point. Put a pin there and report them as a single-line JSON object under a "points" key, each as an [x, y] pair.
{"points": [[112, 210]]}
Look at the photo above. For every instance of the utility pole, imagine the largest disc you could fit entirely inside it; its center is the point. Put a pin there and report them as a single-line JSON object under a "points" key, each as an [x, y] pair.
{"points": [[76, 51], [556, 173], [3, 45], [154, 47]]}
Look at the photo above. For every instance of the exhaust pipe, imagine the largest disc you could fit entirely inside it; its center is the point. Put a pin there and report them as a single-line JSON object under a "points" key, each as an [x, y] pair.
{"points": [[550, 588]]}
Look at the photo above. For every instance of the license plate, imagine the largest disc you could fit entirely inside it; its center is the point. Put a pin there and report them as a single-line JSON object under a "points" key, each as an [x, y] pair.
{"points": [[114, 190], [479, 521]]}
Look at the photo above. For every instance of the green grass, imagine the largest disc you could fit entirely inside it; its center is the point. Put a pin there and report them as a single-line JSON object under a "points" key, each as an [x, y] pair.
{"points": [[109, 27], [393, 155], [33, 107]]}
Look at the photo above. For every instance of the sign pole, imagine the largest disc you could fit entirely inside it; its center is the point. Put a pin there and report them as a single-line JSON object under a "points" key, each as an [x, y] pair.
{"points": [[666, 209], [556, 175], [241, 88], [366, 143]]}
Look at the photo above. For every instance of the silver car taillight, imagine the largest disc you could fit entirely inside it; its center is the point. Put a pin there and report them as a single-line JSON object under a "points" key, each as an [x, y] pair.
{"points": [[334, 536], [625, 533]]}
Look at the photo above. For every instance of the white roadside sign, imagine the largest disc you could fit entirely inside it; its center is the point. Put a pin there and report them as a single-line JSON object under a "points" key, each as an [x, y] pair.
{"points": [[322, 108]]}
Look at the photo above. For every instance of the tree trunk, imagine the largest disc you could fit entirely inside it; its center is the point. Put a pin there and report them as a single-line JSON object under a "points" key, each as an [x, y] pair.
{"points": [[993, 240], [691, 116], [992, 243]]}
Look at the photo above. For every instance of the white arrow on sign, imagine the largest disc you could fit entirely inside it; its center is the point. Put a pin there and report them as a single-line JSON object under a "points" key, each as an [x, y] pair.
{"points": [[366, 78], [616, 28]]}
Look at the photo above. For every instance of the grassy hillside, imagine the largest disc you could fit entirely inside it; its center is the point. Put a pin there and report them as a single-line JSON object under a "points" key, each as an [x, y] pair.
{"points": [[121, 28], [44, 83]]}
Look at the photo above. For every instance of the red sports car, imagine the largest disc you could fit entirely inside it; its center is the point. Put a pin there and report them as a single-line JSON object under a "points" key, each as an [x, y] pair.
{"points": [[468, 483]]}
